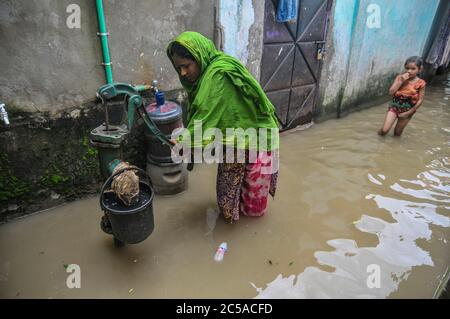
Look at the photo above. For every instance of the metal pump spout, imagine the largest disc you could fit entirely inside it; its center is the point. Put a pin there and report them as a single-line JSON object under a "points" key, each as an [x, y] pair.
{"points": [[4, 114], [154, 86]]}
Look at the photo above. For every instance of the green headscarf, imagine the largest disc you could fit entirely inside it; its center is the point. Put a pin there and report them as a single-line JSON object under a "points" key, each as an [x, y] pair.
{"points": [[225, 95]]}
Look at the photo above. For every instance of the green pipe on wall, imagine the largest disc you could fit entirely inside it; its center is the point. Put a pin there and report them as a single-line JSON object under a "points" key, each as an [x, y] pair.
{"points": [[104, 40]]}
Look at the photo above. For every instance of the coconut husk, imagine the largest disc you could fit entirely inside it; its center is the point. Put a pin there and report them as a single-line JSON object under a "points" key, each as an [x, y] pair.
{"points": [[126, 185]]}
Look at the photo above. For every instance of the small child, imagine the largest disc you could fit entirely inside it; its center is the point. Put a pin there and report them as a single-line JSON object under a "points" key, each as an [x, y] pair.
{"points": [[408, 92]]}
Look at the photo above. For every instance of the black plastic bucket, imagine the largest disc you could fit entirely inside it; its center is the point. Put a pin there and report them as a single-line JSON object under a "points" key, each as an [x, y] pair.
{"points": [[130, 224]]}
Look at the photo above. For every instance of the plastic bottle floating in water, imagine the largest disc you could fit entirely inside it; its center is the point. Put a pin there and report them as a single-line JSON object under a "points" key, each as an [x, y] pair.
{"points": [[220, 252]]}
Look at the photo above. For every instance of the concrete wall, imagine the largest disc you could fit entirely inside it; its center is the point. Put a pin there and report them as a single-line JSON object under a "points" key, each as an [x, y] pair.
{"points": [[242, 22], [50, 74], [47, 66], [362, 57]]}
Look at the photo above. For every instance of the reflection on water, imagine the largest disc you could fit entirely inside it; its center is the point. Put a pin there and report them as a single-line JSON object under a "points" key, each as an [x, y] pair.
{"points": [[413, 206], [355, 215], [395, 254]]}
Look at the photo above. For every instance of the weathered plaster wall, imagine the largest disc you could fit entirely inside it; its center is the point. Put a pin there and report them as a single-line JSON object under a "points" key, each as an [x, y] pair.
{"points": [[362, 61], [242, 22], [47, 66], [49, 76], [336, 59]]}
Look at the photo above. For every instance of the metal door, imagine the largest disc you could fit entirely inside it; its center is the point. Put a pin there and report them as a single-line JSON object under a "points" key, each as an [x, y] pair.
{"points": [[291, 60]]}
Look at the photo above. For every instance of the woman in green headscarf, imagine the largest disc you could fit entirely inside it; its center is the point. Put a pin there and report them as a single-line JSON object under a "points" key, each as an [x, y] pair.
{"points": [[224, 97]]}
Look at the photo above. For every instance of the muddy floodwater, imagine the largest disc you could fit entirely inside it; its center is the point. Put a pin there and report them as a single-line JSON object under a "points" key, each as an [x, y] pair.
{"points": [[355, 216]]}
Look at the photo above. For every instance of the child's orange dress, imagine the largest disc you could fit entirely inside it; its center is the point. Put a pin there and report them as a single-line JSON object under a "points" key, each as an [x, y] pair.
{"points": [[406, 96]]}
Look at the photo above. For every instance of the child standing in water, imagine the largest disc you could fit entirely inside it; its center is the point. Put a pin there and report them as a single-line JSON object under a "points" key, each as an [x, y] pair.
{"points": [[408, 92]]}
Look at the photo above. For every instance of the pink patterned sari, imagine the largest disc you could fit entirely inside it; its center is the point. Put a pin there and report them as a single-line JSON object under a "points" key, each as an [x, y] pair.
{"points": [[245, 187]]}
